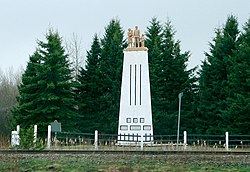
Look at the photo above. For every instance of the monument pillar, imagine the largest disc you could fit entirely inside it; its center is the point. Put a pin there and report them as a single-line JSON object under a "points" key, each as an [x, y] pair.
{"points": [[135, 115]]}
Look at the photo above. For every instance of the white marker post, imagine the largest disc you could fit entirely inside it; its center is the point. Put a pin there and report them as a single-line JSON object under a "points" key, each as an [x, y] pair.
{"points": [[18, 129], [96, 139], [227, 141], [185, 139], [18, 139], [49, 137], [35, 133]]}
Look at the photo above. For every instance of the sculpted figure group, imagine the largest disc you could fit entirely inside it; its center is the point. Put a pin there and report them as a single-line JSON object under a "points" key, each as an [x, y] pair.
{"points": [[135, 39]]}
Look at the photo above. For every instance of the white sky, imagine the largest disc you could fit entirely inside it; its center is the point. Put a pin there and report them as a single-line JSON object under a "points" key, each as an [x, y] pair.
{"points": [[24, 22]]}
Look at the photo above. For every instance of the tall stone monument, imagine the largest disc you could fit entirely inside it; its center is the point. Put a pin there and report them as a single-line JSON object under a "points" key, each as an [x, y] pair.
{"points": [[135, 116]]}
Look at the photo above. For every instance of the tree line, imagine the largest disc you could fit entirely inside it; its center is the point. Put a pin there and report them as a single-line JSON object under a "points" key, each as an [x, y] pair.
{"points": [[215, 98], [8, 92]]}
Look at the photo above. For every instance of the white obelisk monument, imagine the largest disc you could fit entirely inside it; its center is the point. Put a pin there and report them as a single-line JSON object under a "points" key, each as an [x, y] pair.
{"points": [[135, 116]]}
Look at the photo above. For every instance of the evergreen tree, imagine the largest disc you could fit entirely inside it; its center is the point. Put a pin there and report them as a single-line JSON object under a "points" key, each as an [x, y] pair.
{"points": [[169, 77], [237, 117], [213, 82], [175, 78], [89, 90], [111, 57], [47, 87], [153, 42], [28, 90]]}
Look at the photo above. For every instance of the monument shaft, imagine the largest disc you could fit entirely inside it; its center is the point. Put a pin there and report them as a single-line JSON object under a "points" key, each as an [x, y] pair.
{"points": [[135, 116]]}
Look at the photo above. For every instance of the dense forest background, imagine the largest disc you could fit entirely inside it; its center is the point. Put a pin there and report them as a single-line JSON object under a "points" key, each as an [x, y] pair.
{"points": [[85, 95]]}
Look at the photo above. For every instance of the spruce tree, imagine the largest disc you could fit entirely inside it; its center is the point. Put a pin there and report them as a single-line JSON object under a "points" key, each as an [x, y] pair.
{"points": [[237, 116], [51, 95], [28, 92], [169, 77], [89, 90], [112, 46], [175, 78], [153, 42], [213, 82]]}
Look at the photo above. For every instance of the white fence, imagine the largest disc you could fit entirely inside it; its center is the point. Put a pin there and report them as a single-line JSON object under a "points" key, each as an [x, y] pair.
{"points": [[97, 140], [186, 141]]}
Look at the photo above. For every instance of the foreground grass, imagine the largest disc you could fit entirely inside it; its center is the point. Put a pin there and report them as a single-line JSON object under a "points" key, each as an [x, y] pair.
{"points": [[123, 162]]}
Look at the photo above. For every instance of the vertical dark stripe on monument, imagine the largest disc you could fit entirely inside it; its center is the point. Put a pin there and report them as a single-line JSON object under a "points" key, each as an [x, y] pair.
{"points": [[135, 84], [130, 84], [140, 84]]}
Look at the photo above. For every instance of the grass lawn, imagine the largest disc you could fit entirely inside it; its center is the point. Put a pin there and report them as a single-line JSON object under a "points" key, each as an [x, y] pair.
{"points": [[123, 162]]}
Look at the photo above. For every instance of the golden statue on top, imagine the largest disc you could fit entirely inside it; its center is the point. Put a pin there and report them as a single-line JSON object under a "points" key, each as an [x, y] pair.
{"points": [[135, 40], [130, 38]]}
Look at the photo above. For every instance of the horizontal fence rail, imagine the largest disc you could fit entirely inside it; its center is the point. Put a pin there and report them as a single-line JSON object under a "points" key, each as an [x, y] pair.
{"points": [[71, 139], [193, 141], [101, 141]]}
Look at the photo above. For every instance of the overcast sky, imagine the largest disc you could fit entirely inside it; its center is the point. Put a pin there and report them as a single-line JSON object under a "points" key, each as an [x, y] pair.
{"points": [[24, 22]]}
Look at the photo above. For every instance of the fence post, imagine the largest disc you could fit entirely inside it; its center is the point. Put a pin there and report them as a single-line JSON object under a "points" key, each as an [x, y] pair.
{"points": [[227, 141], [18, 129], [185, 139], [49, 137], [141, 142], [18, 134], [96, 139], [35, 133]]}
